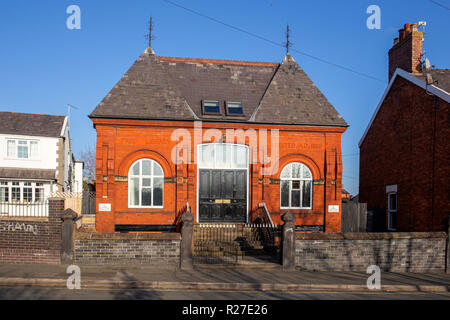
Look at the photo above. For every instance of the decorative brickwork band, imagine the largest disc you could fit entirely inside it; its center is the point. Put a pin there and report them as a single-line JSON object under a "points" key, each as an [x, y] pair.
{"points": [[170, 180], [120, 179], [274, 181]]}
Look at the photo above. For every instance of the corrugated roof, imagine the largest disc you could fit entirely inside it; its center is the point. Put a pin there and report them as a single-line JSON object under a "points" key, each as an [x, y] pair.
{"points": [[29, 124]]}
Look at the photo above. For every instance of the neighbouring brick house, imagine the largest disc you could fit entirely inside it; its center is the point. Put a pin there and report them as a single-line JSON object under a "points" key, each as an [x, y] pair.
{"points": [[404, 164], [223, 136]]}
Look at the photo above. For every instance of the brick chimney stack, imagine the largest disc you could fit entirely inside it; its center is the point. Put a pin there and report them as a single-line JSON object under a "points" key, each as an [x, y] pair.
{"points": [[407, 50]]}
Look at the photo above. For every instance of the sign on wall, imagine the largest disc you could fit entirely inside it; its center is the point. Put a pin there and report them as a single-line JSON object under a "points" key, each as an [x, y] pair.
{"points": [[333, 209], [104, 207]]}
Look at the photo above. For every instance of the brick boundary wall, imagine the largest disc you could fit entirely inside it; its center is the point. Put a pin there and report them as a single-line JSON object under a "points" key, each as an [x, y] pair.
{"points": [[394, 252], [161, 249], [32, 240]]}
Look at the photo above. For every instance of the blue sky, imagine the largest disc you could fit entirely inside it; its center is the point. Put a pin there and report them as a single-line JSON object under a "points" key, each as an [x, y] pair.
{"points": [[44, 66]]}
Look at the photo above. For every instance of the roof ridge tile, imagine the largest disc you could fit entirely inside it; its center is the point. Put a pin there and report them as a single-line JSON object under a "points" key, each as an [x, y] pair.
{"points": [[219, 61]]}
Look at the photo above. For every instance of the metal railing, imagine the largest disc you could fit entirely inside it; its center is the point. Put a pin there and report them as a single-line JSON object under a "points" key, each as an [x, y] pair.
{"points": [[88, 206], [179, 216], [216, 243], [24, 209], [265, 217], [224, 243]]}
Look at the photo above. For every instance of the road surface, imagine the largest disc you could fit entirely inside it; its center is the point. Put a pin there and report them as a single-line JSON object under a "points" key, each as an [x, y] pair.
{"points": [[36, 293]]}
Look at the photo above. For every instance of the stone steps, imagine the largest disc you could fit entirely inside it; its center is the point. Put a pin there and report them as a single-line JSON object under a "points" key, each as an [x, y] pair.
{"points": [[223, 253], [218, 248], [245, 262], [229, 243], [233, 246]]}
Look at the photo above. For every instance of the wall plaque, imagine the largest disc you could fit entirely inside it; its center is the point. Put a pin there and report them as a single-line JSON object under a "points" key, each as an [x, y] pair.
{"points": [[104, 207], [333, 209]]}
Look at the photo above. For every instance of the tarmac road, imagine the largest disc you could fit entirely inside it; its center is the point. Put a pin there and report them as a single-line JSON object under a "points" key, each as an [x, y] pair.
{"points": [[39, 293]]}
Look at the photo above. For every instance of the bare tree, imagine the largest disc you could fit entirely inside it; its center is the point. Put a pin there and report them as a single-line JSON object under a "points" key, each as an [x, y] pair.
{"points": [[88, 157]]}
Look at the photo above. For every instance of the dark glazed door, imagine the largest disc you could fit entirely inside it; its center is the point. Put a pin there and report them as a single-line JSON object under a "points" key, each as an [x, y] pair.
{"points": [[223, 195]]}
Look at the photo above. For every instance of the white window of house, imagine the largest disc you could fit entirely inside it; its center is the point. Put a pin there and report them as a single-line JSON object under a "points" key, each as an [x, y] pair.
{"points": [[39, 192], [12, 151], [146, 185], [15, 192], [21, 192], [34, 149], [392, 211], [296, 187], [27, 192], [22, 149], [4, 191]]}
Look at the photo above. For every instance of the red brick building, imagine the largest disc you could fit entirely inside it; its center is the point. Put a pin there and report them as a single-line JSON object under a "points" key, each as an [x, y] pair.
{"points": [[404, 165], [223, 136]]}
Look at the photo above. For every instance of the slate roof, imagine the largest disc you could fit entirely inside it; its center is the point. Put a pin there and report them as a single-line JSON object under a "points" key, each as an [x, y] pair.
{"points": [[28, 124], [441, 78], [293, 98], [173, 89], [19, 173]]}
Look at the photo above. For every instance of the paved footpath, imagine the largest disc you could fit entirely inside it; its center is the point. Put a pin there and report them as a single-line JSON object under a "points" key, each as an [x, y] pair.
{"points": [[220, 279]]}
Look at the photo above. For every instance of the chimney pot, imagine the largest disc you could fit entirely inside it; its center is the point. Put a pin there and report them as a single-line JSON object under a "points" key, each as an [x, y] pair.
{"points": [[401, 34], [408, 28], [406, 52]]}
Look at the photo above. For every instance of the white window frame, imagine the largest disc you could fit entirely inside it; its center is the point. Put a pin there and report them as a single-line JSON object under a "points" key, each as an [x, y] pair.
{"points": [[28, 144], [23, 185], [141, 177], [228, 166], [291, 179], [4, 185], [392, 211]]}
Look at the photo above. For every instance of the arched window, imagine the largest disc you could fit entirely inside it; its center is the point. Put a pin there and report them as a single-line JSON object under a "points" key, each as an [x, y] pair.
{"points": [[296, 187], [146, 185]]}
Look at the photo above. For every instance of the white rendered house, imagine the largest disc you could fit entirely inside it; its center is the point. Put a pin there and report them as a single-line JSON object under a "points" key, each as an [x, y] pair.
{"points": [[35, 160]]}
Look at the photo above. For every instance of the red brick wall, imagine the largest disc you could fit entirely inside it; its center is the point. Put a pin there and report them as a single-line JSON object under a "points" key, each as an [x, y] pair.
{"points": [[407, 54], [398, 150], [42, 246], [122, 142]]}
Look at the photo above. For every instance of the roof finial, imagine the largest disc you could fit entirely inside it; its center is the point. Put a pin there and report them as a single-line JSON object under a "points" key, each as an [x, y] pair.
{"points": [[150, 36], [288, 43]]}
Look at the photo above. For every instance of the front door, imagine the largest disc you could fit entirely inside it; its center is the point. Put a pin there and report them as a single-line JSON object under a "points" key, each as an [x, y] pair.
{"points": [[222, 195]]}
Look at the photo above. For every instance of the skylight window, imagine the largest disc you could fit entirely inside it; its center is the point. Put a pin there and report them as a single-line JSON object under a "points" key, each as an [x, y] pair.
{"points": [[234, 109], [211, 107]]}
